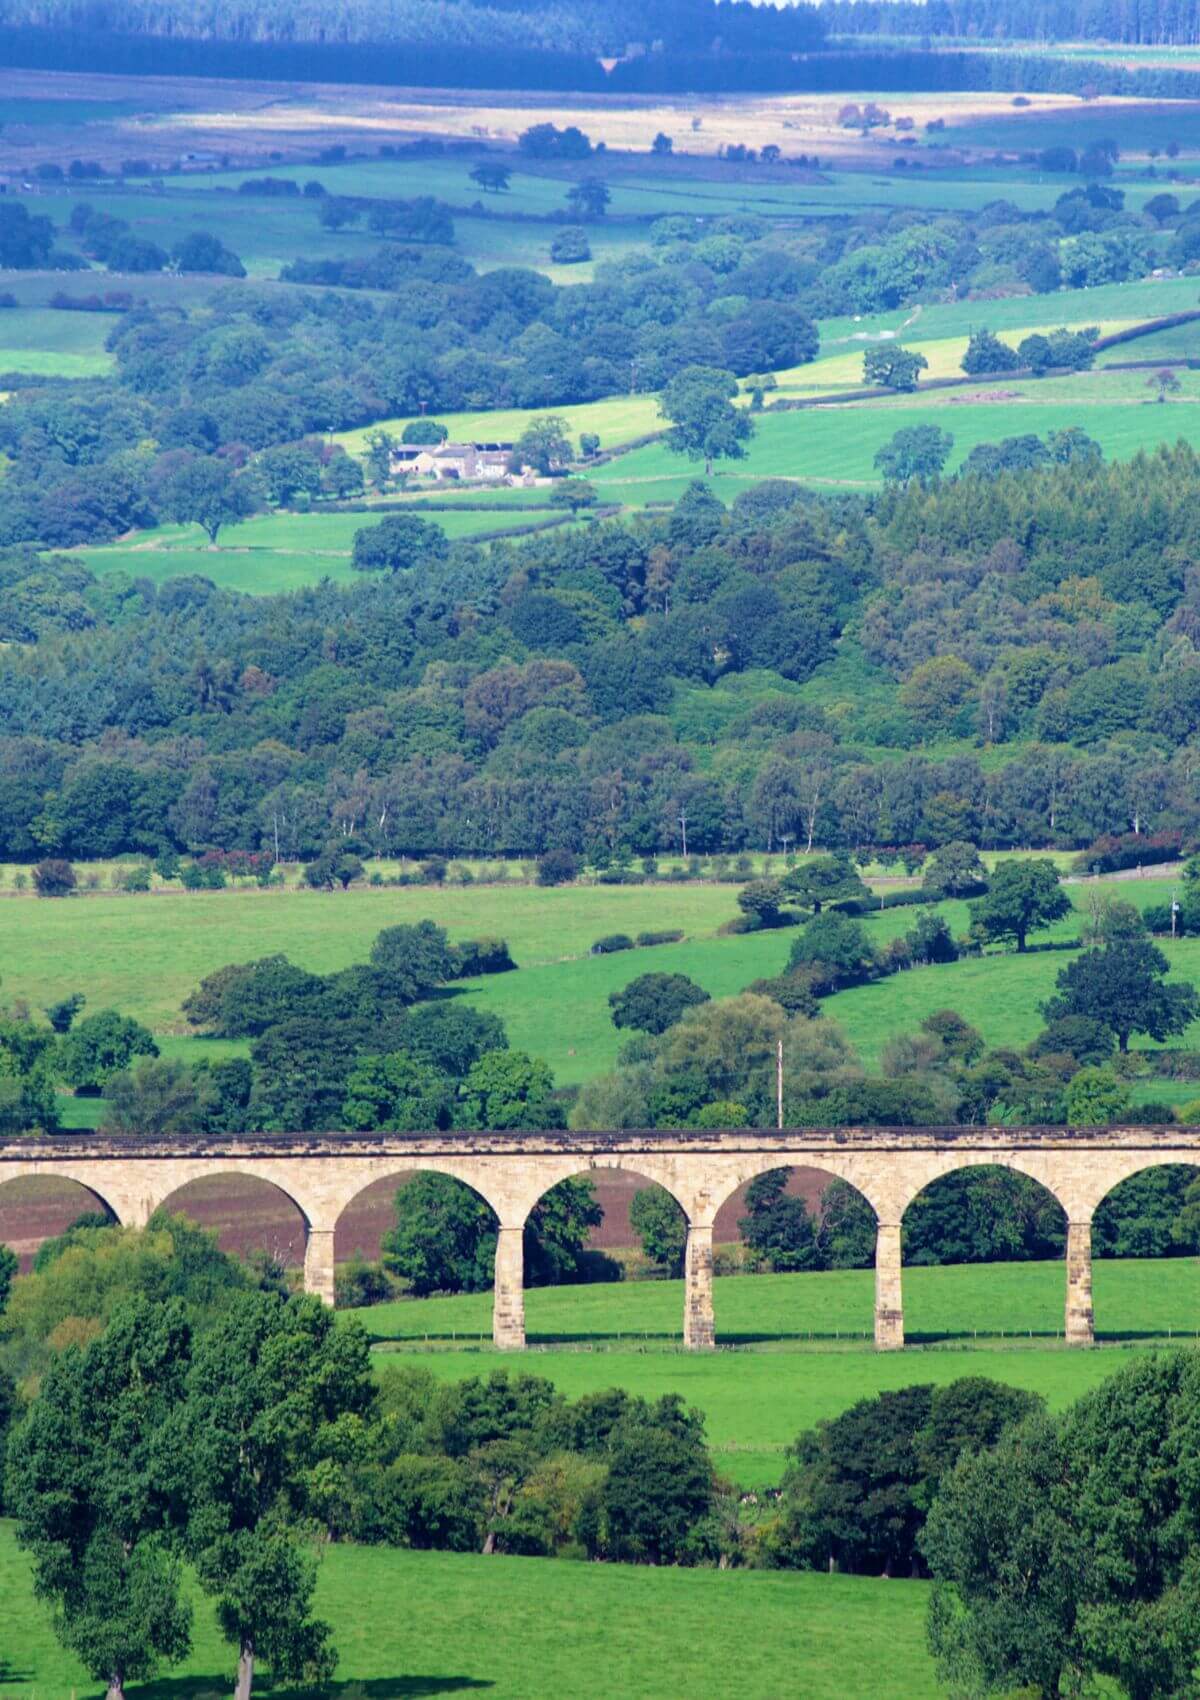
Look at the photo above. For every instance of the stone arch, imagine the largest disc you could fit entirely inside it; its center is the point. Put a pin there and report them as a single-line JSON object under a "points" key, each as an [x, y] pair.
{"points": [[912, 1174], [614, 1168], [230, 1199], [849, 1168], [494, 1186], [1149, 1162], [826, 1166], [1055, 1230], [35, 1206]]}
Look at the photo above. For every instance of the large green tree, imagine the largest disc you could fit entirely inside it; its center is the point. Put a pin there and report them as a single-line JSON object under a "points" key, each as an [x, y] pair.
{"points": [[654, 1002], [1068, 1554], [1024, 897], [96, 1482], [704, 423], [1122, 986], [269, 1383], [205, 491], [824, 880]]}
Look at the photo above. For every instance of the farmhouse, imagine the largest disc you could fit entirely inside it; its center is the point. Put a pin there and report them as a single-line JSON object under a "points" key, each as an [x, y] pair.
{"points": [[454, 461]]}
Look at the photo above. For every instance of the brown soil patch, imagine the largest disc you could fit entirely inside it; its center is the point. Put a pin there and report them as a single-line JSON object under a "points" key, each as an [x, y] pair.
{"points": [[250, 1215]]}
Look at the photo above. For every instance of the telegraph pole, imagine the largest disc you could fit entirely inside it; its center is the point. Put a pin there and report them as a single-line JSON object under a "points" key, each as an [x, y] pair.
{"points": [[683, 828], [779, 1084]]}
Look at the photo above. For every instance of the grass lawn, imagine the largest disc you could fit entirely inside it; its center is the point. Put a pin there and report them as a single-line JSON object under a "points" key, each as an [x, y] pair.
{"points": [[615, 420], [50, 343], [758, 1398], [756, 1403], [143, 954], [417, 1624]]}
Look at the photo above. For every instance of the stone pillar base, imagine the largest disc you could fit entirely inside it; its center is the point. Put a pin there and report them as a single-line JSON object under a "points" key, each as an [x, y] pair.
{"points": [[699, 1328], [318, 1264], [1080, 1320], [889, 1301], [508, 1307]]}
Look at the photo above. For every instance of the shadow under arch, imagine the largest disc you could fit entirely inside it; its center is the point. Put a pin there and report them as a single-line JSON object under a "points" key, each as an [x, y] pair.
{"points": [[1140, 1218], [759, 1223], [975, 1214], [247, 1212], [36, 1208]]}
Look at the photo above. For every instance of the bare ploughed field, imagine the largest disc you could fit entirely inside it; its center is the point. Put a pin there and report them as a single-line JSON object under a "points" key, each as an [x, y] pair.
{"points": [[166, 119], [250, 1215]]}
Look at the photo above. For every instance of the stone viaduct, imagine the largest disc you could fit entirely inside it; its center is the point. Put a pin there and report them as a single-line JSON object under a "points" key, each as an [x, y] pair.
{"points": [[701, 1169]]}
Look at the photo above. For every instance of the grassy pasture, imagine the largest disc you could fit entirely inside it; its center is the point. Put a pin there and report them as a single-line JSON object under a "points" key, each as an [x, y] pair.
{"points": [[1133, 1299], [280, 551], [51, 343], [837, 445], [143, 954], [511, 1628]]}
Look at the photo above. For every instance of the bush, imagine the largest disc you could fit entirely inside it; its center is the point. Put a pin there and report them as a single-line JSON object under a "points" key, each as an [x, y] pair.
{"points": [[612, 942], [556, 867], [671, 936], [359, 1283], [1113, 852], [483, 956], [54, 877]]}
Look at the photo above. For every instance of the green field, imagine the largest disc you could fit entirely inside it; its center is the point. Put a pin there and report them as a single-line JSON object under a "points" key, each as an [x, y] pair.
{"points": [[284, 551], [1133, 1299], [805, 1341], [756, 1403], [144, 954], [836, 445], [412, 1625], [51, 343]]}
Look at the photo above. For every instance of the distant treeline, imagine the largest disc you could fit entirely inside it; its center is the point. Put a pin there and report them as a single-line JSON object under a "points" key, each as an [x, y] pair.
{"points": [[595, 28], [770, 61], [1154, 23]]}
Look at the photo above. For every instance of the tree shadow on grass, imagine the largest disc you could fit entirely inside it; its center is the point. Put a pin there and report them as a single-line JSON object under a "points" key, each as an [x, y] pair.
{"points": [[374, 1688]]}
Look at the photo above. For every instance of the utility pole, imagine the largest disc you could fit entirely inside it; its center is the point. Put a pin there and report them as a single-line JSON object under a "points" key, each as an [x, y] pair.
{"points": [[779, 1084], [683, 827], [1174, 910]]}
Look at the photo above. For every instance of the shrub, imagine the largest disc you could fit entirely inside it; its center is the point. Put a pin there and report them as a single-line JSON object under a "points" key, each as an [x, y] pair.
{"points": [[556, 867], [483, 956], [54, 877], [612, 942], [671, 935]]}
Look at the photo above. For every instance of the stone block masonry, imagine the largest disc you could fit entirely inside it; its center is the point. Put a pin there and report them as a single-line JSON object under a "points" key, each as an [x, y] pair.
{"points": [[701, 1169]]}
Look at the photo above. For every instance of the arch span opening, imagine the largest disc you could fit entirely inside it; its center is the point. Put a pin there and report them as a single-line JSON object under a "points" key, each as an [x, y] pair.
{"points": [[422, 1235], [37, 1208], [249, 1215], [983, 1249], [805, 1238], [603, 1254], [1145, 1246]]}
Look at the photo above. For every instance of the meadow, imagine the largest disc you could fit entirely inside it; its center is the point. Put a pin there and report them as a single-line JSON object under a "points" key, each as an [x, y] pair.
{"points": [[144, 953], [794, 1350], [836, 445], [411, 1625], [283, 551]]}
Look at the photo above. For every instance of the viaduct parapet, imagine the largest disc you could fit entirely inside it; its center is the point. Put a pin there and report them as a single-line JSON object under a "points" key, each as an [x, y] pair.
{"points": [[323, 1174]]}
